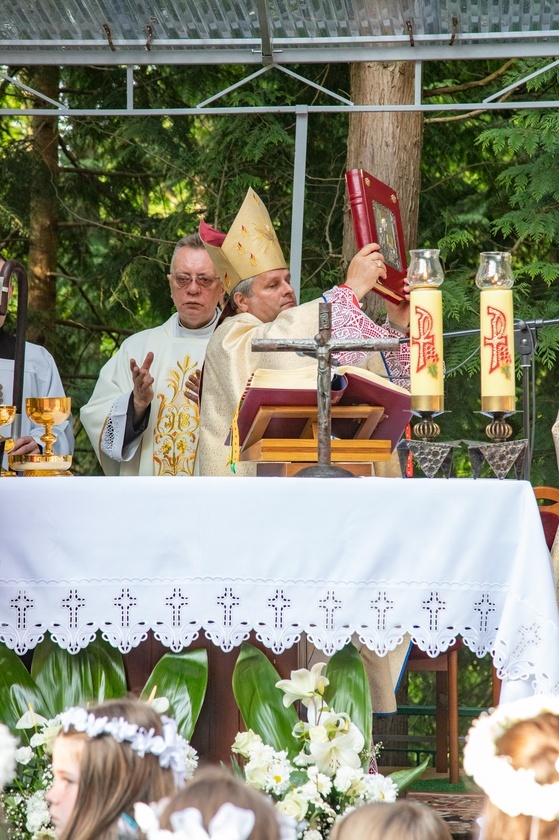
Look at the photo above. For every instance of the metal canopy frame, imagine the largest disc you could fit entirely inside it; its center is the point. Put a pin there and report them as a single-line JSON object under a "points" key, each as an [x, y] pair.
{"points": [[274, 34], [271, 33]]}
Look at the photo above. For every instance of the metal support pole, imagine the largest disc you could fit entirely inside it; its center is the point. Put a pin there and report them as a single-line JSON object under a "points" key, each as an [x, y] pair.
{"points": [[129, 87], [418, 83], [298, 205]]}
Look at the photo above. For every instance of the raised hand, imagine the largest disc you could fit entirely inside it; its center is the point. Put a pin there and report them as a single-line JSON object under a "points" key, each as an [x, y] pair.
{"points": [[365, 269], [143, 382]]}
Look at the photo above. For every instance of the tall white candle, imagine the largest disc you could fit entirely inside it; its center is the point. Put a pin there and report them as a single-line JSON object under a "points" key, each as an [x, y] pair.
{"points": [[425, 275], [495, 279]]}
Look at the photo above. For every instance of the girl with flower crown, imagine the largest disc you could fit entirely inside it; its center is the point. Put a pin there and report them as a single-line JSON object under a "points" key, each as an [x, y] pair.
{"points": [[216, 806], [513, 755], [107, 758], [392, 821]]}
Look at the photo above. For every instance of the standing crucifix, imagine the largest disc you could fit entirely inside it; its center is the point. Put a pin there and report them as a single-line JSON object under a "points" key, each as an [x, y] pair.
{"points": [[322, 346]]}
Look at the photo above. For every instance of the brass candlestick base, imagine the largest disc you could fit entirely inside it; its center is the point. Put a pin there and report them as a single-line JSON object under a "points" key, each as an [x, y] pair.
{"points": [[7, 416], [427, 429], [500, 454], [498, 431], [430, 455], [47, 412]]}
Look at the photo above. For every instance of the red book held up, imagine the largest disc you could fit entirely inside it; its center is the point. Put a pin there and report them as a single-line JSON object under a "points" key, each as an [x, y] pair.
{"points": [[375, 213], [297, 387]]}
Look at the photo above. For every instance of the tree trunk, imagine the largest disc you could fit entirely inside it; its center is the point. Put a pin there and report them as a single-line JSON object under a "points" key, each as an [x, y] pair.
{"points": [[387, 144], [43, 211]]}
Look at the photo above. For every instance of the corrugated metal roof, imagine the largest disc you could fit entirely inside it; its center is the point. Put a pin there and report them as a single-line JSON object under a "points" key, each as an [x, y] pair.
{"points": [[253, 31]]}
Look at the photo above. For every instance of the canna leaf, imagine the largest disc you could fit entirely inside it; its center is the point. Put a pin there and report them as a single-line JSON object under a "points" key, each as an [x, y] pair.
{"points": [[261, 703], [92, 675], [182, 678]]}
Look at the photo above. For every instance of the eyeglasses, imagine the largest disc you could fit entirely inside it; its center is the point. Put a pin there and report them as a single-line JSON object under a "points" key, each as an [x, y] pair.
{"points": [[184, 280]]}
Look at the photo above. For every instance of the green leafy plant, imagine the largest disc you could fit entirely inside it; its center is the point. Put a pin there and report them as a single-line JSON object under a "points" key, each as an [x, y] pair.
{"points": [[58, 680], [316, 768]]}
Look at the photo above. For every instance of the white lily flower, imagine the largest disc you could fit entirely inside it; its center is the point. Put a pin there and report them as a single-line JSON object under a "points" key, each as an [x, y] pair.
{"points": [[341, 750], [304, 685]]}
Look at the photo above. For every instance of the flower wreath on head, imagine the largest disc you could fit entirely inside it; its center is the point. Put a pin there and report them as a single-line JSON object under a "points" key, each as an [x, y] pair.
{"points": [[514, 792], [228, 823], [170, 748]]}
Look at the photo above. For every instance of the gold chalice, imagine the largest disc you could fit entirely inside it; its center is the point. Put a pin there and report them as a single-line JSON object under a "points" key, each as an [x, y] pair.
{"points": [[7, 416], [47, 412]]}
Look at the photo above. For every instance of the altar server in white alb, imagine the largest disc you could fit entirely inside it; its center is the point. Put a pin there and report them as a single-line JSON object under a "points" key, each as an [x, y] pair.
{"points": [[40, 379], [139, 419]]}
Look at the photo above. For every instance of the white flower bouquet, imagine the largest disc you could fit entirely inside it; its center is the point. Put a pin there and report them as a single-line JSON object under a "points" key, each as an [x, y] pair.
{"points": [[316, 769], [24, 801]]}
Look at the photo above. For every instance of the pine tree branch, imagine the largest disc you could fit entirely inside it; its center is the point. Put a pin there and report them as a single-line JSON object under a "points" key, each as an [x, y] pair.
{"points": [[77, 283], [443, 91], [113, 173], [67, 322], [89, 223]]}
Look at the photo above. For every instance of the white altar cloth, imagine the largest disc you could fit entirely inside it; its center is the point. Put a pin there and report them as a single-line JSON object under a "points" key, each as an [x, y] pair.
{"points": [[376, 557]]}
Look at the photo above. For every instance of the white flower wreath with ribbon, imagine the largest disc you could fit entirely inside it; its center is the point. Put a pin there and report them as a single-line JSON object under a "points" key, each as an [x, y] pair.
{"points": [[171, 749], [228, 823], [514, 792]]}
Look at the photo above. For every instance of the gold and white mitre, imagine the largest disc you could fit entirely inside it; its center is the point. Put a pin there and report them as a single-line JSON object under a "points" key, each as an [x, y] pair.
{"points": [[250, 248]]}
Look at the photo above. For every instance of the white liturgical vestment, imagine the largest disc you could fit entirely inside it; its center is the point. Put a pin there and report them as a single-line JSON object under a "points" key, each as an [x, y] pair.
{"points": [[40, 379], [168, 444]]}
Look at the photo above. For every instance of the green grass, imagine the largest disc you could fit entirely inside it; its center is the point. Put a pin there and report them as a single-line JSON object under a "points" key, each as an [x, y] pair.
{"points": [[442, 785]]}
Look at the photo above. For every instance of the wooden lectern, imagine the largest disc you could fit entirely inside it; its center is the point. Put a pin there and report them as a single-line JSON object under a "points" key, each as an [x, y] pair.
{"points": [[286, 456]]}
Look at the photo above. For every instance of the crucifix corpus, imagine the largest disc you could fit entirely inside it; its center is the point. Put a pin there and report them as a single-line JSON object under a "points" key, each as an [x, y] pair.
{"points": [[322, 347]]}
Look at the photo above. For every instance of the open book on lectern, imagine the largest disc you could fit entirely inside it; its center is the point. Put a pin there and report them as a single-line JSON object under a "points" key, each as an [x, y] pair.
{"points": [[351, 386]]}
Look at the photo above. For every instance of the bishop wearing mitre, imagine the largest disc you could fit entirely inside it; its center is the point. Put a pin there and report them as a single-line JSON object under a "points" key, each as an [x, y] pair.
{"points": [[262, 304]]}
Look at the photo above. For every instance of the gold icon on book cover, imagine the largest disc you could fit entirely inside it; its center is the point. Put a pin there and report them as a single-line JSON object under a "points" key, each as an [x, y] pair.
{"points": [[387, 235]]}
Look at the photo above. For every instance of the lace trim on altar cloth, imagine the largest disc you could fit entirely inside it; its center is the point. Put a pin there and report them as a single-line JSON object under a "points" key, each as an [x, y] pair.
{"points": [[348, 321], [521, 638]]}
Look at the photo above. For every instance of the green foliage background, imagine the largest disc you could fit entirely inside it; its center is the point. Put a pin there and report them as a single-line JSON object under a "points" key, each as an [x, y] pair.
{"points": [[129, 187]]}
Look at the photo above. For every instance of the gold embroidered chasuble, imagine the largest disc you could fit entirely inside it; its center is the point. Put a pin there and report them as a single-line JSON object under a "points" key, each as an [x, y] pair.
{"points": [[168, 445]]}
